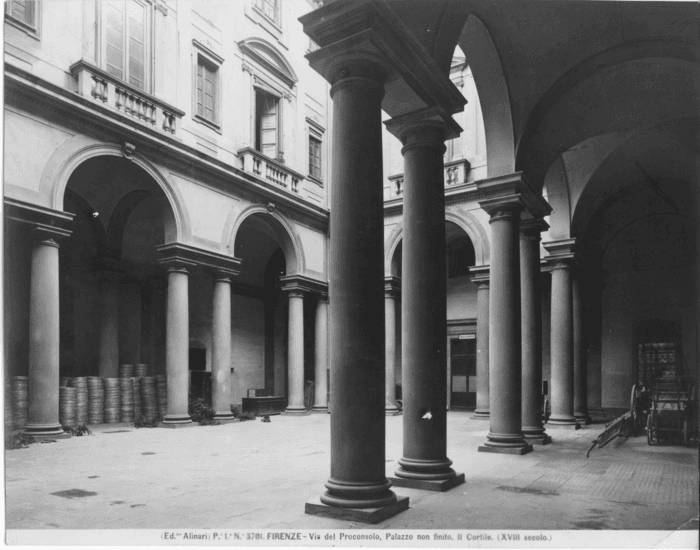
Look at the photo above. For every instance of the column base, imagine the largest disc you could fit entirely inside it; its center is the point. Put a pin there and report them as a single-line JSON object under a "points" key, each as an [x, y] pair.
{"points": [[540, 439], [583, 418], [177, 421], [364, 515], [226, 420], [439, 485], [569, 423], [39, 438], [320, 409], [521, 450], [221, 416], [295, 412], [41, 430]]}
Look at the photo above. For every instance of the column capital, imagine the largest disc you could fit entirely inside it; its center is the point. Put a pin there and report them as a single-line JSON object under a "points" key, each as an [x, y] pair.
{"points": [[531, 228], [43, 224], [562, 253], [370, 32], [301, 283], [186, 256], [428, 127], [392, 287], [480, 274], [511, 193], [323, 298]]}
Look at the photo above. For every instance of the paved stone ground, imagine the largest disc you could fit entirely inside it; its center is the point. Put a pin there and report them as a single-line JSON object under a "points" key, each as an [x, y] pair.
{"points": [[259, 475]]}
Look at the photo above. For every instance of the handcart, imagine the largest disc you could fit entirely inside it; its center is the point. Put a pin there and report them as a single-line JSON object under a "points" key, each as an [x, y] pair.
{"points": [[671, 415]]}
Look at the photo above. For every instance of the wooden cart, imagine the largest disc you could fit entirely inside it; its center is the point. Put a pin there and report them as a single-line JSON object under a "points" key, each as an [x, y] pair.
{"points": [[671, 417]]}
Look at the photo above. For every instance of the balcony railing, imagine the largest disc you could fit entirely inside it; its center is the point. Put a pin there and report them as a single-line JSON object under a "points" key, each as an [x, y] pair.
{"points": [[254, 162], [124, 98], [456, 172]]}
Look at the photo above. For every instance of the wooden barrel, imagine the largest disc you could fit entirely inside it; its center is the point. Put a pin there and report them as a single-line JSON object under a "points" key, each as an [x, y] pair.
{"points": [[136, 383], [140, 370], [96, 400], [67, 406], [64, 381], [149, 401], [82, 399], [127, 399], [162, 392], [113, 400], [126, 371], [20, 401]]}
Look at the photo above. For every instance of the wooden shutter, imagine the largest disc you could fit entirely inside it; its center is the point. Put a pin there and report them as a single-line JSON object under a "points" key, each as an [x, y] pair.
{"points": [[22, 10], [136, 20], [268, 125], [209, 93], [114, 31], [200, 88]]}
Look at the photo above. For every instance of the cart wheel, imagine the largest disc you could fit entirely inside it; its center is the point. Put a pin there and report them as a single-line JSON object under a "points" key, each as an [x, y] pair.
{"points": [[651, 427]]}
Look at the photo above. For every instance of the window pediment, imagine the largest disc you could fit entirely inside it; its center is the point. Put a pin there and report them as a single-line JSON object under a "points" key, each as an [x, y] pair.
{"points": [[266, 55]]}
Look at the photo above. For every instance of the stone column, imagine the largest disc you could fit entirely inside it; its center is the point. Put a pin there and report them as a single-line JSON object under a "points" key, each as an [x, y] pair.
{"points": [[580, 371], [531, 332], [391, 290], [358, 487], [593, 322], [480, 277], [109, 325], [177, 343], [44, 334], [424, 464], [295, 358], [321, 359], [221, 347], [130, 323], [562, 377]]}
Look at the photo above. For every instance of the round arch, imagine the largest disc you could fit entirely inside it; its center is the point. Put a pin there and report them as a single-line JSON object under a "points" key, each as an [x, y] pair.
{"points": [[466, 221], [71, 154], [287, 236]]}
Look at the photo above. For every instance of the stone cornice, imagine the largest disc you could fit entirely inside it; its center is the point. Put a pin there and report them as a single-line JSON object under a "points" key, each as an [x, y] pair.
{"points": [[172, 253], [35, 217], [561, 252], [371, 28], [480, 274], [435, 116], [301, 283], [512, 190], [99, 120], [392, 286]]}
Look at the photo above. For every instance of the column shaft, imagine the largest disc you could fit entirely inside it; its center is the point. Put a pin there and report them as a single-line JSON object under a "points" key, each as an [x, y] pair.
{"points": [[531, 316], [505, 433], [44, 339], [390, 331], [482, 351], [424, 308], [356, 283], [177, 346], [580, 371], [109, 326], [221, 348], [321, 358], [562, 387], [295, 404]]}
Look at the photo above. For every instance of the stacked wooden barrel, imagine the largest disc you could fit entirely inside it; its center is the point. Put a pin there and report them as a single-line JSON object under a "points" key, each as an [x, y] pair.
{"points": [[126, 371], [162, 391], [67, 406], [113, 405], [96, 400], [64, 381], [82, 398], [140, 370], [136, 384], [20, 401], [149, 399], [127, 399]]}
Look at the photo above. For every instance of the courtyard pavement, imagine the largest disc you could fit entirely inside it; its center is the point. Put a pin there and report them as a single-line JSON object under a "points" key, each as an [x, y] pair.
{"points": [[259, 475]]}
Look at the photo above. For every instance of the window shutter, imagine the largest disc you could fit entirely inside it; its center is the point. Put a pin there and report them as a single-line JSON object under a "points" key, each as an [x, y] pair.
{"points": [[268, 126], [200, 89], [209, 93], [137, 44], [114, 21]]}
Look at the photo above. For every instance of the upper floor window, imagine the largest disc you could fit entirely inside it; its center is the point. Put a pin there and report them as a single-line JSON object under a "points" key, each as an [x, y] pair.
{"points": [[207, 90], [315, 157], [270, 9], [126, 40], [24, 12], [267, 124]]}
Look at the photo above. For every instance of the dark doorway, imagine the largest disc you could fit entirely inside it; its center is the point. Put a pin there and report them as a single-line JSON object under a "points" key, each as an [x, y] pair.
{"points": [[463, 375]]}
